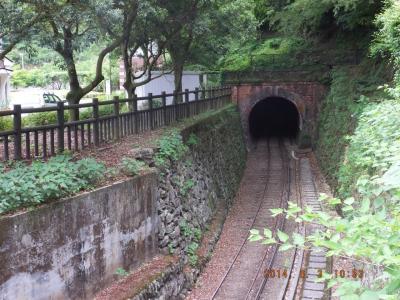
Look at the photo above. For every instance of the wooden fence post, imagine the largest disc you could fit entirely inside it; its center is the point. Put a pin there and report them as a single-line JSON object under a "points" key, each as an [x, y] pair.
{"points": [[60, 128], [96, 127], [150, 99], [17, 132], [164, 105], [136, 114], [117, 134], [175, 105], [196, 99], [187, 113]]}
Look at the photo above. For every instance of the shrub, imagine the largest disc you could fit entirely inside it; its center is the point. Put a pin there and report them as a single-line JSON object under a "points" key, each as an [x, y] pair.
{"points": [[171, 148], [85, 114], [192, 253], [106, 110], [157, 103], [42, 181], [6, 123], [40, 119], [25, 78], [193, 140], [132, 166]]}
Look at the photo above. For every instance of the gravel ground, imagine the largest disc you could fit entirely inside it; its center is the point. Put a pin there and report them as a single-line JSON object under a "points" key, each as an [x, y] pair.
{"points": [[251, 197]]}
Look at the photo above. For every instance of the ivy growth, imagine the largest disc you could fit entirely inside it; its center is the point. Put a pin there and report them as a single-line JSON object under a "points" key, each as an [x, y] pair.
{"points": [[192, 253], [186, 187]]}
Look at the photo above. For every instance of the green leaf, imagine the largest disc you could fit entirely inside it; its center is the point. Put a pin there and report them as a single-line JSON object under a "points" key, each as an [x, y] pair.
{"points": [[254, 231], [393, 286], [283, 237], [379, 202], [285, 247], [331, 283], [369, 295], [334, 201], [267, 233], [268, 241], [350, 297], [365, 204], [347, 208], [298, 239], [349, 201], [255, 238], [276, 211]]}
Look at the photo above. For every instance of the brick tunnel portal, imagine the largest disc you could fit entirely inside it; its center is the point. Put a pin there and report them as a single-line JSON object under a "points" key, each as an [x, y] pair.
{"points": [[274, 117]]}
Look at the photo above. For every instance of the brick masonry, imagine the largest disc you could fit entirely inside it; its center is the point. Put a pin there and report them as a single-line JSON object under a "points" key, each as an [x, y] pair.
{"points": [[306, 96]]}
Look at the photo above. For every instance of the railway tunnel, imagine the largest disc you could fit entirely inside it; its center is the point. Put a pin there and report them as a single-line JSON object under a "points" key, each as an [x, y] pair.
{"points": [[274, 117]]}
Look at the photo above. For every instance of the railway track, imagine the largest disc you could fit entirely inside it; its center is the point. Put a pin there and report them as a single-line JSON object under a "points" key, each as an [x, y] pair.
{"points": [[245, 270], [297, 268], [241, 279]]}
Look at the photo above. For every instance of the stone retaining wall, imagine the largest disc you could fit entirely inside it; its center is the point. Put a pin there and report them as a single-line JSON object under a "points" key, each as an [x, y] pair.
{"points": [[209, 174]]}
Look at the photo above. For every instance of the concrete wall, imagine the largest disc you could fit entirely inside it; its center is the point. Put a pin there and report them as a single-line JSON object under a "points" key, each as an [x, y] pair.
{"points": [[71, 248]]}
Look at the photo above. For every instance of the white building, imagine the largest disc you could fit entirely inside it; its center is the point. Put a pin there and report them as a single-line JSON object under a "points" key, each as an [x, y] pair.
{"points": [[165, 82], [5, 76]]}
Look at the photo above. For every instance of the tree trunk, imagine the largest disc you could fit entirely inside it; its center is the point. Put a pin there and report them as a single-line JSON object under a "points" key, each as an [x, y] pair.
{"points": [[75, 91], [178, 73], [73, 97]]}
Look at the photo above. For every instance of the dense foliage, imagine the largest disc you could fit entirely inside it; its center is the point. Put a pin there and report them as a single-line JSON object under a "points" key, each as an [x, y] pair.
{"points": [[175, 33], [350, 91], [358, 144], [373, 155], [42, 181]]}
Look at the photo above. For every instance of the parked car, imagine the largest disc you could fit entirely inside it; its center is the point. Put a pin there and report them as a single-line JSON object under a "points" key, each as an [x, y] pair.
{"points": [[34, 98], [50, 99]]}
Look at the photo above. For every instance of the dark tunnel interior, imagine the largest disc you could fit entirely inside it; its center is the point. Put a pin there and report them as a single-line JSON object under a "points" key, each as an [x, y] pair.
{"points": [[274, 117]]}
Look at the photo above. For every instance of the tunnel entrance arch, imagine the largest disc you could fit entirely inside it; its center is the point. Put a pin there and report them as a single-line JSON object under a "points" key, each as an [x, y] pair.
{"points": [[274, 116], [248, 96]]}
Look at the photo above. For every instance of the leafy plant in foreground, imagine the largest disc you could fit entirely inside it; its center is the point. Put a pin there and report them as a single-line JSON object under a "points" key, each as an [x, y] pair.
{"points": [[367, 235], [132, 166], [42, 181]]}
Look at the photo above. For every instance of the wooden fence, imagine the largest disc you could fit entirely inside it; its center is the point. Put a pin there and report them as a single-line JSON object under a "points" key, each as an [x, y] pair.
{"points": [[48, 140]]}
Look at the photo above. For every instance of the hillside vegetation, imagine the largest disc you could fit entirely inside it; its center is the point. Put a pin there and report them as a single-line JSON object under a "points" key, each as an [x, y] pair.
{"points": [[359, 130]]}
